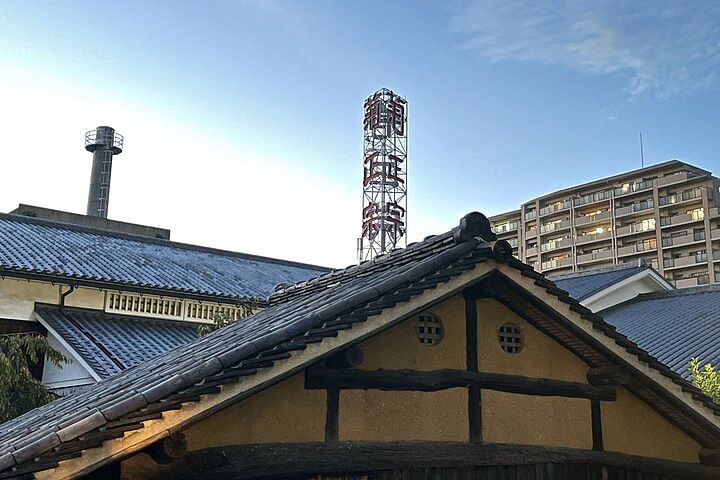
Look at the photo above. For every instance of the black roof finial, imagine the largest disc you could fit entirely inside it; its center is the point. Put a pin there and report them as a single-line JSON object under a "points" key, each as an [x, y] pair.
{"points": [[474, 225]]}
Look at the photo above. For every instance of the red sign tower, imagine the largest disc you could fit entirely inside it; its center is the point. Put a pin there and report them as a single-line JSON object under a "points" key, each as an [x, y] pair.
{"points": [[384, 210]]}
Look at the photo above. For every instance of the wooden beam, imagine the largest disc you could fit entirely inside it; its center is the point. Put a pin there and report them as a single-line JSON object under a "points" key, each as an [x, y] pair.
{"points": [[283, 460], [168, 449], [710, 456], [596, 421], [471, 356], [432, 381], [608, 375], [350, 357]]}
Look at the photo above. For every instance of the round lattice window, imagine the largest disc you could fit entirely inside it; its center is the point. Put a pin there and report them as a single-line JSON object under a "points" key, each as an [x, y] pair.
{"points": [[429, 329], [510, 338]]}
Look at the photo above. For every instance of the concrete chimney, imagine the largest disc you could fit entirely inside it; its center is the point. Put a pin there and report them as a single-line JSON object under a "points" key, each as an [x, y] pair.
{"points": [[103, 142]]}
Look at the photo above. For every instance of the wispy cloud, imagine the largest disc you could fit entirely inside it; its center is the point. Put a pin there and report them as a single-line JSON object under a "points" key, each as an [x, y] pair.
{"points": [[663, 47]]}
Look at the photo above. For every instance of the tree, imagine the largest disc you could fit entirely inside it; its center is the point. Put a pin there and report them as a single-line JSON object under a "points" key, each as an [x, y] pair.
{"points": [[19, 390], [706, 378], [224, 318]]}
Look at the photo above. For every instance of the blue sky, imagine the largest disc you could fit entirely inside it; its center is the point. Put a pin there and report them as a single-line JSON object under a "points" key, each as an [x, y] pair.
{"points": [[243, 118]]}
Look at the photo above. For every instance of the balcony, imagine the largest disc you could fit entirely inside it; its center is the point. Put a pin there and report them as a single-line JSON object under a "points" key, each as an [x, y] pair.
{"points": [[693, 281], [681, 219], [629, 188], [555, 207], [635, 207], [687, 261], [556, 244], [555, 226], [686, 196], [637, 248], [635, 228], [529, 252], [674, 178], [530, 215], [683, 239], [595, 256], [595, 237], [505, 228], [592, 198], [513, 242], [552, 264], [715, 234], [579, 221], [714, 212]]}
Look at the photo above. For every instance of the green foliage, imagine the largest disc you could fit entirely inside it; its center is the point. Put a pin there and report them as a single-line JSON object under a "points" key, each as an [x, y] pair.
{"points": [[19, 390], [706, 378], [222, 319]]}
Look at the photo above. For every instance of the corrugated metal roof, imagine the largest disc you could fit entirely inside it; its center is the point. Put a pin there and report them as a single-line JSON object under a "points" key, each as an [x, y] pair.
{"points": [[673, 326], [112, 343], [584, 284], [47, 248]]}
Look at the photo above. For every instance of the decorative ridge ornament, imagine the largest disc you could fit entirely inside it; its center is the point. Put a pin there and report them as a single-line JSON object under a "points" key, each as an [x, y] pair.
{"points": [[474, 225]]}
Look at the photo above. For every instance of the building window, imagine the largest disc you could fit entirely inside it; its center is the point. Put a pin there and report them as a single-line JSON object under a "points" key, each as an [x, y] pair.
{"points": [[510, 338], [429, 329]]}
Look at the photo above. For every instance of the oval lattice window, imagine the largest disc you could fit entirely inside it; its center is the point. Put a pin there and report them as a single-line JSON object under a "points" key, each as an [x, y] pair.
{"points": [[429, 329], [510, 338]]}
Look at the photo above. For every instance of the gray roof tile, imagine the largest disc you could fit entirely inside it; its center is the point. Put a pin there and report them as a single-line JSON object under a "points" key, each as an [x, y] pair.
{"points": [[674, 325], [33, 246], [112, 343], [584, 284]]}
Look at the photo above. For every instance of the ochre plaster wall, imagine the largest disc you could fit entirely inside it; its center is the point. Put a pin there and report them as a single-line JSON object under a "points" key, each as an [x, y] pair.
{"points": [[285, 412], [391, 416], [399, 346], [548, 421], [541, 356], [631, 426]]}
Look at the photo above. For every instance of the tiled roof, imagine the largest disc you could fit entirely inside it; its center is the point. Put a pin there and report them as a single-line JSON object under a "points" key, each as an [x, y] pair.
{"points": [[674, 325], [337, 302], [111, 343], [54, 250], [584, 284]]}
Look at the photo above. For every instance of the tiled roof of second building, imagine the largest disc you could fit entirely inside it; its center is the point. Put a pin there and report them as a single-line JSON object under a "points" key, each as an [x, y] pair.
{"points": [[61, 251]]}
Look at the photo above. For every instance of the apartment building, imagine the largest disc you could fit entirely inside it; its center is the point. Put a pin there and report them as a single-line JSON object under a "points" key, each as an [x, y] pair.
{"points": [[664, 215]]}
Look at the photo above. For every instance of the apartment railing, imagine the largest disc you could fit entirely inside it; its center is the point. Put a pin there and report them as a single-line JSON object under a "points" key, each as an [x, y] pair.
{"points": [[635, 228], [694, 281], [564, 262], [633, 187], [637, 248], [593, 237], [635, 207], [555, 207], [589, 257], [715, 234], [682, 218], [685, 261], [513, 242], [505, 227], [530, 215], [592, 198], [555, 244], [674, 178], [554, 226], [683, 239], [531, 251], [681, 197], [592, 218]]}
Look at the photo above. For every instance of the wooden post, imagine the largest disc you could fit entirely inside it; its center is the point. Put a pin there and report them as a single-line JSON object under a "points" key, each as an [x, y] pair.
{"points": [[596, 419], [332, 426], [474, 392]]}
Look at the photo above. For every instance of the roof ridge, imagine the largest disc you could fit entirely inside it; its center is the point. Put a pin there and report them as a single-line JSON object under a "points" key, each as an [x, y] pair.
{"points": [[596, 271], [155, 241]]}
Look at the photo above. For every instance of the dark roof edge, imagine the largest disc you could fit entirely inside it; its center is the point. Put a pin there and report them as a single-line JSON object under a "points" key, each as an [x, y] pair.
{"points": [[125, 287], [159, 241]]}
